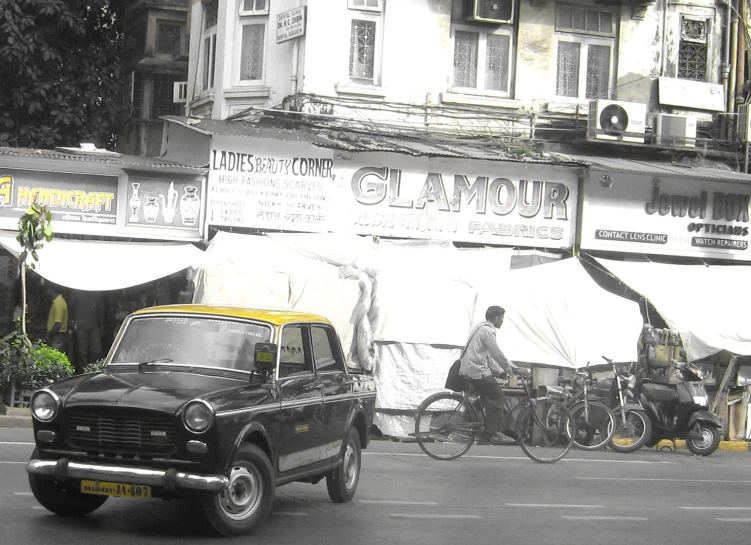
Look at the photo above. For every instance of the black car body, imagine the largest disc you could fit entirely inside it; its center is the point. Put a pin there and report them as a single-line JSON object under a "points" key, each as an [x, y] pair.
{"points": [[216, 403]]}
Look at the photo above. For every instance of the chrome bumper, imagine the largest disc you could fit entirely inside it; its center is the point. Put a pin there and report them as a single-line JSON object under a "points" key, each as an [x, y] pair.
{"points": [[168, 479]]}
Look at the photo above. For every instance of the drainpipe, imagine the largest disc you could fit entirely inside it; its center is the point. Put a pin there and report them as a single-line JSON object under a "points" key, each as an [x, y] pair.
{"points": [[726, 49], [733, 66], [740, 77]]}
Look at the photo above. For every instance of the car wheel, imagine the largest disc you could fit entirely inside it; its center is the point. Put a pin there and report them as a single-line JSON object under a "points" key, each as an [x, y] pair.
{"points": [[248, 499], [342, 481], [63, 500]]}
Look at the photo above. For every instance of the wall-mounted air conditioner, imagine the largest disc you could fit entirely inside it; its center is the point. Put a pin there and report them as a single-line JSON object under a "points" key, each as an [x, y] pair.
{"points": [[489, 11], [617, 120], [743, 128], [675, 130], [180, 92]]}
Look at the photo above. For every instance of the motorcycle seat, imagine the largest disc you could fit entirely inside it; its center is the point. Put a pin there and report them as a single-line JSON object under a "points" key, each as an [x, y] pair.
{"points": [[658, 392]]}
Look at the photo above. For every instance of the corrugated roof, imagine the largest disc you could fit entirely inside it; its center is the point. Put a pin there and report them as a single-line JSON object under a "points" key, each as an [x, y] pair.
{"points": [[421, 144], [658, 168], [124, 161]]}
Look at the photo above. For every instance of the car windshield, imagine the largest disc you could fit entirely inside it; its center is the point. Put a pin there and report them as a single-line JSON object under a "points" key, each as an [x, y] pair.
{"points": [[190, 340]]}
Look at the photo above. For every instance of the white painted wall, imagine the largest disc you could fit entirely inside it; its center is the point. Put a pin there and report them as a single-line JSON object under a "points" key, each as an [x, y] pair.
{"points": [[416, 55]]}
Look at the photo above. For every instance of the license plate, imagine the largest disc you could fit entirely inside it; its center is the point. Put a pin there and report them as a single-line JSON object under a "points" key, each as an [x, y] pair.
{"points": [[120, 490]]}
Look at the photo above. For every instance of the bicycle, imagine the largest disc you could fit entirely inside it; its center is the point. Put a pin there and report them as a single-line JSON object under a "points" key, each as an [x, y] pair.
{"points": [[595, 422], [448, 423]]}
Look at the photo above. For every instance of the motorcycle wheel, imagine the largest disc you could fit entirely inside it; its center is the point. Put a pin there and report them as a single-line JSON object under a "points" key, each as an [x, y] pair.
{"points": [[632, 430], [707, 444]]}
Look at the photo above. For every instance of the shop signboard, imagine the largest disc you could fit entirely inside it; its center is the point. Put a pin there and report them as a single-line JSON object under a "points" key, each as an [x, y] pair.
{"points": [[678, 216], [164, 203], [269, 185], [80, 203]]}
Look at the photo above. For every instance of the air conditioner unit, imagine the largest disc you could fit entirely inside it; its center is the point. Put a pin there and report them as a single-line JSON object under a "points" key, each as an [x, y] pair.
{"points": [[675, 130], [180, 47], [489, 11], [180, 92], [744, 128], [617, 120]]}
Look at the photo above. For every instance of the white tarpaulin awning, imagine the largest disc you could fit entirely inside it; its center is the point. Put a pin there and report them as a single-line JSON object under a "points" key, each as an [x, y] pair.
{"points": [[706, 304], [98, 265]]}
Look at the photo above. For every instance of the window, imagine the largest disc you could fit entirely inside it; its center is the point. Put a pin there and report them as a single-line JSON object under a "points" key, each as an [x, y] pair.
{"points": [[168, 34], [692, 50], [365, 41], [325, 350], [292, 348], [585, 42], [254, 7], [162, 103], [481, 61], [362, 50], [367, 5], [208, 54], [136, 104], [251, 55]]}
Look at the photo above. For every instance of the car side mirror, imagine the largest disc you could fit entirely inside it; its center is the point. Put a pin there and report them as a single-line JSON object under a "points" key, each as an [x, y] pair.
{"points": [[265, 357]]}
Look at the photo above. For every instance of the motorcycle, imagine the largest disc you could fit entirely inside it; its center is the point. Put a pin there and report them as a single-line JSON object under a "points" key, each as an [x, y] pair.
{"points": [[680, 410], [633, 427]]}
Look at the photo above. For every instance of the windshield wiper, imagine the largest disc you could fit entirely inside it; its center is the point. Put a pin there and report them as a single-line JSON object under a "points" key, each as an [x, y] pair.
{"points": [[160, 360]]}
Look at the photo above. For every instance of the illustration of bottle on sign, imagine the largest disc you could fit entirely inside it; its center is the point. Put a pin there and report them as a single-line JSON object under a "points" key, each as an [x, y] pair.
{"points": [[169, 204], [190, 204], [134, 203]]}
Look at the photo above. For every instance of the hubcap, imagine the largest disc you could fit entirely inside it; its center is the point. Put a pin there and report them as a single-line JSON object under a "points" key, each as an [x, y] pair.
{"points": [[705, 440], [349, 469], [243, 495]]}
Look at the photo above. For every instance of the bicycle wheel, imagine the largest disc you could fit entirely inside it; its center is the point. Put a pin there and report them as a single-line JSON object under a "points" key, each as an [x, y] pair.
{"points": [[595, 425], [632, 430], [445, 426], [545, 440]]}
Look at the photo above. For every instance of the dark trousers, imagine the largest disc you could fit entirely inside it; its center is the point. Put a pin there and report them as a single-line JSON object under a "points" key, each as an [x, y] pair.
{"points": [[492, 397], [88, 346]]}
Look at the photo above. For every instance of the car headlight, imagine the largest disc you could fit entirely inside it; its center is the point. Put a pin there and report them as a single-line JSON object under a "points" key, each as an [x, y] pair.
{"points": [[198, 416], [44, 405]]}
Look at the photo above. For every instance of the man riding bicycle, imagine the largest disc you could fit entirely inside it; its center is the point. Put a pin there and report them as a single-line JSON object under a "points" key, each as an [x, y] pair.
{"points": [[481, 362]]}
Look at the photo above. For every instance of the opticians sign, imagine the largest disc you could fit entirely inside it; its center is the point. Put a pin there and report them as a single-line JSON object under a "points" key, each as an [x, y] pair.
{"points": [[669, 216], [305, 188], [79, 203]]}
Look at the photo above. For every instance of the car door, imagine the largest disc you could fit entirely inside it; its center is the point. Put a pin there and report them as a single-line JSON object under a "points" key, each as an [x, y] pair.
{"points": [[301, 433], [337, 398]]}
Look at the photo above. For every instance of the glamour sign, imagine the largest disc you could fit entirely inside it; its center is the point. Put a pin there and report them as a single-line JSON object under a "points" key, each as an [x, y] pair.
{"points": [[260, 184]]}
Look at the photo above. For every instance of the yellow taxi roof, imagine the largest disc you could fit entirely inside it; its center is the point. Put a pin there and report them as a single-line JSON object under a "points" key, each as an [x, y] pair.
{"points": [[276, 317]]}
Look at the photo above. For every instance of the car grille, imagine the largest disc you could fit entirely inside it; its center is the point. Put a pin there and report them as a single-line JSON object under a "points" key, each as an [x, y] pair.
{"points": [[121, 430]]}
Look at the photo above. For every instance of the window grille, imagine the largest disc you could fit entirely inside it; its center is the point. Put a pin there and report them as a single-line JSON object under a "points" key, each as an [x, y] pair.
{"points": [[210, 14], [497, 61], [167, 35], [598, 71], [162, 103], [362, 50], [465, 58], [568, 69], [692, 50]]}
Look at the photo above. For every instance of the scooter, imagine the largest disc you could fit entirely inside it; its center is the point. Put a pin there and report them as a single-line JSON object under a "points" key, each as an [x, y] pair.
{"points": [[680, 410]]}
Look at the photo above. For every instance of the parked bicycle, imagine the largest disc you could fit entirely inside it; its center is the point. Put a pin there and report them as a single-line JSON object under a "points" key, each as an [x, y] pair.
{"points": [[448, 423], [595, 422], [632, 425]]}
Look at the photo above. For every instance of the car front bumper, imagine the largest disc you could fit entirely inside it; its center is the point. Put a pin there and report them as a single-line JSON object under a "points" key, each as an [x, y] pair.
{"points": [[170, 480]]}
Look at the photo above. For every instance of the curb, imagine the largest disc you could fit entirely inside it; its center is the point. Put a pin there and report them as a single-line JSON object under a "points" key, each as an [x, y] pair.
{"points": [[14, 421], [737, 446]]}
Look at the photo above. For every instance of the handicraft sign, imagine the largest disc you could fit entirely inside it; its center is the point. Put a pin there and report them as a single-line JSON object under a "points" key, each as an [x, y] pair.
{"points": [[80, 203]]}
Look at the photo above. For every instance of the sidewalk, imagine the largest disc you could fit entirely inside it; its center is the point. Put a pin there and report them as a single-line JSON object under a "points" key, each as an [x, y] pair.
{"points": [[14, 418]]}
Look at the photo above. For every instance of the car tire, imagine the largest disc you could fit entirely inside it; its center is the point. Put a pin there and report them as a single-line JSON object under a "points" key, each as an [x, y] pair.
{"points": [[248, 499], [63, 500], [342, 481]]}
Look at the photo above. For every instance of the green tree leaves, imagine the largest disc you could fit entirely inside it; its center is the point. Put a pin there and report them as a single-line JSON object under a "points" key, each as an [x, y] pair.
{"points": [[62, 73]]}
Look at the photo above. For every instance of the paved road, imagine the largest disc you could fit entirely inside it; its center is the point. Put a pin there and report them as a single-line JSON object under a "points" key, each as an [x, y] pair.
{"points": [[492, 495]]}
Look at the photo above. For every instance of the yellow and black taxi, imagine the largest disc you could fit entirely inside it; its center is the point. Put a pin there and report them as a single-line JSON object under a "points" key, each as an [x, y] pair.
{"points": [[218, 404]]}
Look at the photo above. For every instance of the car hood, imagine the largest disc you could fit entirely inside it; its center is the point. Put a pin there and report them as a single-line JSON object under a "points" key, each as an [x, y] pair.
{"points": [[153, 389]]}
